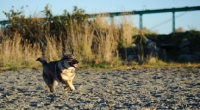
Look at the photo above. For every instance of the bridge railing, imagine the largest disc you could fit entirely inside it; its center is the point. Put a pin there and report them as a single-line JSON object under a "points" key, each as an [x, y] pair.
{"points": [[140, 13]]}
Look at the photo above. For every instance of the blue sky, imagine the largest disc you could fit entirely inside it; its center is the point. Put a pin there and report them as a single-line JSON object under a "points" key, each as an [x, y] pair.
{"points": [[154, 22]]}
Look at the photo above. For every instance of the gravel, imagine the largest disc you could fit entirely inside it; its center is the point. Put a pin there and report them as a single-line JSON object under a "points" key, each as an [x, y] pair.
{"points": [[144, 88]]}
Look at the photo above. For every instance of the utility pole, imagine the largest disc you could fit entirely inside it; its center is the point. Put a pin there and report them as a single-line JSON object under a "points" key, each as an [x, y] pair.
{"points": [[173, 21], [141, 22]]}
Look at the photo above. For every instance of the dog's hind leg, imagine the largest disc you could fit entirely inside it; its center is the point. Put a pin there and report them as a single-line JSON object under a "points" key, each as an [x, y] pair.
{"points": [[49, 82], [55, 83], [51, 88]]}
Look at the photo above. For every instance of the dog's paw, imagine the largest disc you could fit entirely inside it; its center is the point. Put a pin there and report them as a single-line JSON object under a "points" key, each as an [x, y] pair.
{"points": [[72, 88]]}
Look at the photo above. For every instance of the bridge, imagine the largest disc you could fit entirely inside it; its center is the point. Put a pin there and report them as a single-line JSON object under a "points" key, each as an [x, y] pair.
{"points": [[140, 13]]}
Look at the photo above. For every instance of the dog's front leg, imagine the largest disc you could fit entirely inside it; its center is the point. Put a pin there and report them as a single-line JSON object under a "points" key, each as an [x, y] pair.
{"points": [[69, 82]]}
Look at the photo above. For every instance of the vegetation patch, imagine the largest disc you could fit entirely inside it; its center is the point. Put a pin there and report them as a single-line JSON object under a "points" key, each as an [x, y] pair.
{"points": [[96, 42]]}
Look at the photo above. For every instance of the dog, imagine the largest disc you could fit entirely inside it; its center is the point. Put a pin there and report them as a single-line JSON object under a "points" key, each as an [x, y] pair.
{"points": [[59, 71]]}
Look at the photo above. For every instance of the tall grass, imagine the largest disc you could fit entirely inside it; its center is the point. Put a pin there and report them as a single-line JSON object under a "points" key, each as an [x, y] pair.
{"points": [[94, 41], [13, 55], [126, 31]]}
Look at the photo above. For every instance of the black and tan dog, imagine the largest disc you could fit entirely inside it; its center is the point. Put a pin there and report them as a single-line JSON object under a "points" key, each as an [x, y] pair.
{"points": [[59, 71]]}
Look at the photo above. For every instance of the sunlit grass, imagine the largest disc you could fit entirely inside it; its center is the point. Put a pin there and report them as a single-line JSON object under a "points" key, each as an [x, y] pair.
{"points": [[96, 42]]}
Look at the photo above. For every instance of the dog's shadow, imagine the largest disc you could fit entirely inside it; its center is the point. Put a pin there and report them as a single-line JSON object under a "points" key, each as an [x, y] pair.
{"points": [[54, 98]]}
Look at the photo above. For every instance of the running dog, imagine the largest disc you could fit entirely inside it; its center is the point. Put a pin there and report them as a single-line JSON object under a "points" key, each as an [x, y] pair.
{"points": [[59, 71]]}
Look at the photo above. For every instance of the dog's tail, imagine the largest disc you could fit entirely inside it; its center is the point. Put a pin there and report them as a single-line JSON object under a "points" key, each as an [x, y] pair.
{"points": [[41, 60]]}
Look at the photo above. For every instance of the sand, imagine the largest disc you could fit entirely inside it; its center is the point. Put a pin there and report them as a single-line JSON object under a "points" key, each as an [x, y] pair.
{"points": [[128, 89]]}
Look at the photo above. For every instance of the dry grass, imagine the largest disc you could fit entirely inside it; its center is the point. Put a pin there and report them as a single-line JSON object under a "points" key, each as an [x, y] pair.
{"points": [[126, 30], [12, 54], [96, 42]]}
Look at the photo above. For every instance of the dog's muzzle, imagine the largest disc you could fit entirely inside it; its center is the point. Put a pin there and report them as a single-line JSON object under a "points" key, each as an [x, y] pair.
{"points": [[73, 63]]}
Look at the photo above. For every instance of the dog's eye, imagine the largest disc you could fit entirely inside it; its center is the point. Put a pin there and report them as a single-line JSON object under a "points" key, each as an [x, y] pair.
{"points": [[69, 57]]}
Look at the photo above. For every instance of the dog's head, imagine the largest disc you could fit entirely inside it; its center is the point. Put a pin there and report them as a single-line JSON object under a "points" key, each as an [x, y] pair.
{"points": [[69, 60]]}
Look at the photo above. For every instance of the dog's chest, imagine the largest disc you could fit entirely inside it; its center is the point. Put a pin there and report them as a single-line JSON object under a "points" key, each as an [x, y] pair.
{"points": [[68, 73]]}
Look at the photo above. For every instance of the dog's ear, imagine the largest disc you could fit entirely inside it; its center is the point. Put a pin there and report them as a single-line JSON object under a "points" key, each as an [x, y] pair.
{"points": [[64, 56]]}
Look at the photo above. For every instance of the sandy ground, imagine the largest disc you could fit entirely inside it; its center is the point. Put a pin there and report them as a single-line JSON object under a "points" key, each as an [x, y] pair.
{"points": [[161, 88]]}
